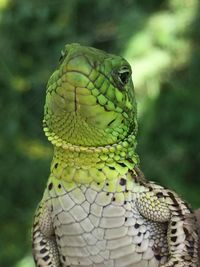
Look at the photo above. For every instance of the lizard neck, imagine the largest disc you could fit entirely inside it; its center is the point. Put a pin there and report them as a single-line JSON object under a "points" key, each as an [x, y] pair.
{"points": [[86, 164]]}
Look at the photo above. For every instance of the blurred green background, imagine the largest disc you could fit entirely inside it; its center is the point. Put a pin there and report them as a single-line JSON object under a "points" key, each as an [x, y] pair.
{"points": [[161, 40]]}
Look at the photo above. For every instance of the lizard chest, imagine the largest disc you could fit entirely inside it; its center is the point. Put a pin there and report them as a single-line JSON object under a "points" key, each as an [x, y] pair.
{"points": [[98, 228]]}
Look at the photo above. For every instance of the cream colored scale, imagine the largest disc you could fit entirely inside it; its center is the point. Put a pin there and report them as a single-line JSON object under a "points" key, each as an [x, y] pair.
{"points": [[94, 227]]}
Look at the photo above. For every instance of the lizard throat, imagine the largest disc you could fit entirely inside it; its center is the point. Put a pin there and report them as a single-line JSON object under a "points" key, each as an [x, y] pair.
{"points": [[83, 164], [123, 149]]}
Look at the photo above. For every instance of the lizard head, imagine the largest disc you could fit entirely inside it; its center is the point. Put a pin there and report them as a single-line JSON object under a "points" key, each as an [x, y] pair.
{"points": [[90, 99]]}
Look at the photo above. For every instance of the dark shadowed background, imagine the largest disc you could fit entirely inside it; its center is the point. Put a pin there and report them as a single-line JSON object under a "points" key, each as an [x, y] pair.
{"points": [[161, 40]]}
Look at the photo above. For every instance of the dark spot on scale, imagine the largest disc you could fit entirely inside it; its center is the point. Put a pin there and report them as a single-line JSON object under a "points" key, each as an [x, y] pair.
{"points": [[159, 194], [98, 183], [102, 105], [174, 238], [191, 243], [110, 122], [113, 199], [173, 223], [130, 160], [188, 206], [125, 202], [173, 231], [175, 205], [45, 258], [139, 244], [42, 243], [107, 194], [137, 226], [191, 252], [186, 231], [50, 186], [107, 184], [43, 250], [100, 169], [156, 250], [126, 190], [126, 219], [122, 181], [111, 168], [122, 164], [171, 195], [56, 165], [63, 257], [158, 257], [59, 186], [139, 234]]}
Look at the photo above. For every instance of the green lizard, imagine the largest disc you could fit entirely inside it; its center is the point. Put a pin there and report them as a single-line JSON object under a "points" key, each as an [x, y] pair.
{"points": [[97, 209]]}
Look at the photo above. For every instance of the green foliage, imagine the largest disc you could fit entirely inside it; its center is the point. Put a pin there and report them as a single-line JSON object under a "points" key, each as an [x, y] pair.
{"points": [[159, 38], [169, 141]]}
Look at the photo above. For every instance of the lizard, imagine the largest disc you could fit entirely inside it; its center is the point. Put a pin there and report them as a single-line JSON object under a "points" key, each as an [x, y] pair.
{"points": [[98, 209]]}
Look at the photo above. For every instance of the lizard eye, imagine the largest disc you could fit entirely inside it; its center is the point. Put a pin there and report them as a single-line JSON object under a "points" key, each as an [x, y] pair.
{"points": [[123, 75]]}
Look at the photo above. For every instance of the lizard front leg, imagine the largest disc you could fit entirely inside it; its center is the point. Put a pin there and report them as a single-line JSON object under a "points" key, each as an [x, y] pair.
{"points": [[45, 250], [162, 205]]}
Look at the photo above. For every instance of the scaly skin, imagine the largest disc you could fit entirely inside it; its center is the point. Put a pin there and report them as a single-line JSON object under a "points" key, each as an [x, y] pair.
{"points": [[98, 210]]}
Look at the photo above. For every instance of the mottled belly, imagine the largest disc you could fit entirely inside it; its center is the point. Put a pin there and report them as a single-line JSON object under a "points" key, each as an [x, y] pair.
{"points": [[102, 229]]}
